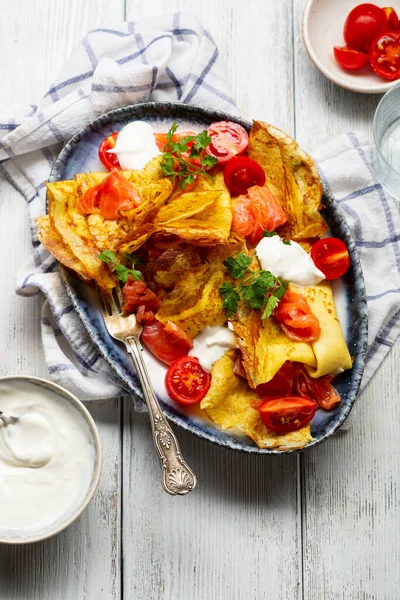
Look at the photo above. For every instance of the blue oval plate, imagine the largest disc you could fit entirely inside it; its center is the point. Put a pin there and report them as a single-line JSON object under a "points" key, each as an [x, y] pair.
{"points": [[80, 155]]}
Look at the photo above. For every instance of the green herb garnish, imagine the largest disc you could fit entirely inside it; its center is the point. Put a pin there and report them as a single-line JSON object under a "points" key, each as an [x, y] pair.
{"points": [[110, 257], [260, 289], [176, 158]]}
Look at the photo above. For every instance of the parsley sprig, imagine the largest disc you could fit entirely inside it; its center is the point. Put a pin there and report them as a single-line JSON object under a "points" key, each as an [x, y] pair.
{"points": [[177, 154], [122, 272], [260, 289]]}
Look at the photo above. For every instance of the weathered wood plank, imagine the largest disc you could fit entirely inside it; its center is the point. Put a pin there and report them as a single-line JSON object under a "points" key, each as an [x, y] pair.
{"points": [[237, 536], [84, 561], [351, 521]]}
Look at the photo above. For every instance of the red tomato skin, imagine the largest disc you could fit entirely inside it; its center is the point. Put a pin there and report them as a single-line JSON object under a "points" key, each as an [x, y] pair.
{"points": [[324, 251], [182, 375], [291, 413], [227, 140], [296, 319], [392, 20], [110, 161], [386, 47], [350, 60], [159, 342], [362, 25], [242, 172], [280, 385]]}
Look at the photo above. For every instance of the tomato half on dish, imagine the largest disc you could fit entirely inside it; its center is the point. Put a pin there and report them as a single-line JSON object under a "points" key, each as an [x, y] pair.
{"points": [[349, 59], [296, 319], [109, 160], [256, 212], [392, 20], [287, 414], [384, 55], [227, 140], [362, 25], [186, 380], [242, 172], [137, 294], [330, 255], [319, 389], [167, 342], [280, 384]]}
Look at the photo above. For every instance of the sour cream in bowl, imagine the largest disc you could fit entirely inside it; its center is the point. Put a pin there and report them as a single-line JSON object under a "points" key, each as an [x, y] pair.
{"points": [[50, 459]]}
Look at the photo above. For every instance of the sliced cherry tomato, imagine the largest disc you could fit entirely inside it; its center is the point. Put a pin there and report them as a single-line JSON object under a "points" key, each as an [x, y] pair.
{"points": [[362, 25], [137, 294], [227, 140], [296, 319], [280, 384], [109, 160], [319, 389], [384, 55], [349, 59], [256, 212], [287, 414], [165, 344], [242, 172], [331, 256], [392, 20], [186, 380], [161, 138]]}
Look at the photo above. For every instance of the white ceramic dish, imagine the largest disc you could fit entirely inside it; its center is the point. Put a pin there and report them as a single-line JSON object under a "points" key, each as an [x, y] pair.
{"points": [[323, 22], [64, 520]]}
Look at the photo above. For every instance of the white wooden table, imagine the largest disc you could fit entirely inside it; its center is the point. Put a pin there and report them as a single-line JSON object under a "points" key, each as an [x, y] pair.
{"points": [[321, 525]]}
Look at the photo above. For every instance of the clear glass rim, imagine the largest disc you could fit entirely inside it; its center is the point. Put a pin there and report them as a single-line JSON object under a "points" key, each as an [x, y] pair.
{"points": [[375, 125]]}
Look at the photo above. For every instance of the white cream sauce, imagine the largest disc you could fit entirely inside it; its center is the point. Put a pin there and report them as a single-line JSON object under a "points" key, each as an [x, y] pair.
{"points": [[136, 145], [289, 261], [212, 343], [46, 458]]}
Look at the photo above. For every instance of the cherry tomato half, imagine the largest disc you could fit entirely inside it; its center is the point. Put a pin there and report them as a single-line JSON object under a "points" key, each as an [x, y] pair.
{"points": [[110, 161], [287, 414], [330, 256], [227, 140], [186, 380], [384, 55], [167, 344], [349, 59], [392, 19], [362, 25], [242, 172]]}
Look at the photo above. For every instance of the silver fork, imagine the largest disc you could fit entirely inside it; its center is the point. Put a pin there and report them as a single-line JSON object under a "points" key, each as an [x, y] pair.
{"points": [[177, 477]]}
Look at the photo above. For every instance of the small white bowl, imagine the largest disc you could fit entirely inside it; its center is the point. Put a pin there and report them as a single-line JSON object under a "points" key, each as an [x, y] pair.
{"points": [[64, 520], [323, 22]]}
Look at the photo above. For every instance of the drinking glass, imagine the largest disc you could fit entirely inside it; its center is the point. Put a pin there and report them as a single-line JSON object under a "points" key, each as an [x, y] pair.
{"points": [[386, 128]]}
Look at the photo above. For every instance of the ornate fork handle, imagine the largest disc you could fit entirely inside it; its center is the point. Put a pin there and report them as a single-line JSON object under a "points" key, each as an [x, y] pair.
{"points": [[177, 477]]}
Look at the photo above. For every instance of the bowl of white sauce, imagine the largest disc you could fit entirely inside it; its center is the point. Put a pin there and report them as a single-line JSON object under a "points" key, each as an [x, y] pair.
{"points": [[50, 459]]}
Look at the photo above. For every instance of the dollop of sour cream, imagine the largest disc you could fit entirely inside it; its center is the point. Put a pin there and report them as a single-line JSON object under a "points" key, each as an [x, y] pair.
{"points": [[212, 343], [289, 262], [47, 459], [136, 145]]}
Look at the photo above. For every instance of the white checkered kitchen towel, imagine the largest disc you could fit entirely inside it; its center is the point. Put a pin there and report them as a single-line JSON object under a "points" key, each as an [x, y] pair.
{"points": [[172, 58]]}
